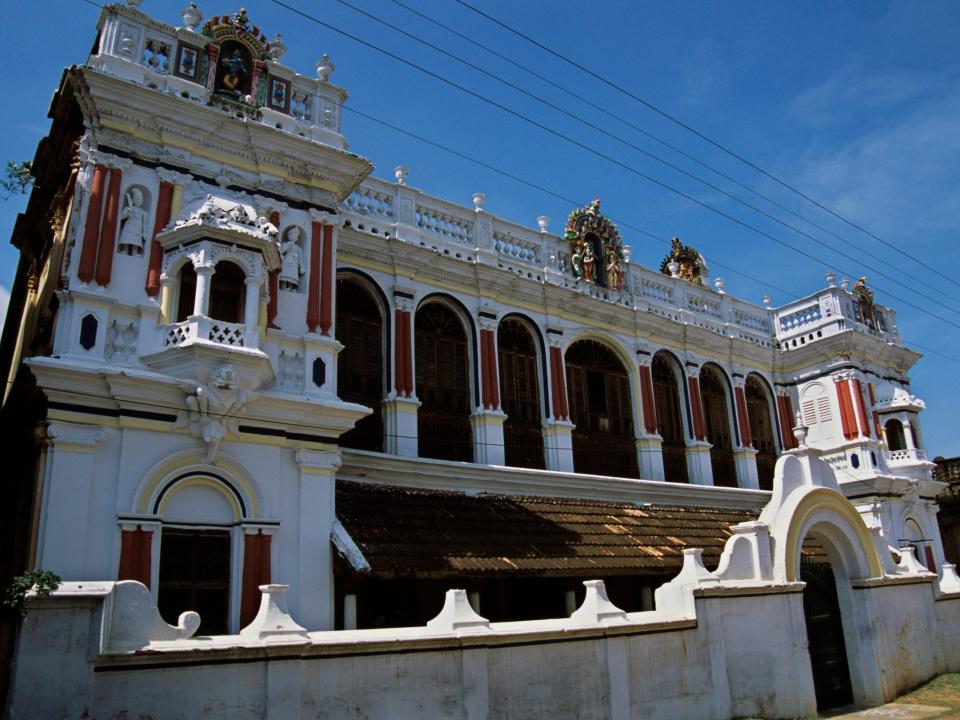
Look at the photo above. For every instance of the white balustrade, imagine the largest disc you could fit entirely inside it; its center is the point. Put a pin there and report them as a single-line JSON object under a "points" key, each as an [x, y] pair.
{"points": [[203, 329], [444, 224]]}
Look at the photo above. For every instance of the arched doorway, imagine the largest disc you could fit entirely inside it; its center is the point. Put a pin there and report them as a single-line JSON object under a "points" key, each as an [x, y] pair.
{"points": [[599, 393], [716, 413], [666, 397], [443, 384], [520, 395], [761, 431], [227, 291], [360, 366]]}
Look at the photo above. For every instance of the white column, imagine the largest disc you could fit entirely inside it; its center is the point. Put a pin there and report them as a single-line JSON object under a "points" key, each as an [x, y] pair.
{"points": [[251, 309], [311, 592], [558, 445], [349, 611], [400, 421], [488, 437], [201, 301], [68, 495]]}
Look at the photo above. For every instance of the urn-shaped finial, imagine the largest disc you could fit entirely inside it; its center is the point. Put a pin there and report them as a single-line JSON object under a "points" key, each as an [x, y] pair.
{"points": [[191, 16], [719, 283], [478, 199], [400, 173], [767, 300], [278, 48], [673, 267], [831, 279], [542, 222], [325, 67], [800, 431]]}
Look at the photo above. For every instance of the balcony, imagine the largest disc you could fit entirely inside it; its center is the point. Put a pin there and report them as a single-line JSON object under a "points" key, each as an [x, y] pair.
{"points": [[896, 458], [829, 312], [204, 329]]}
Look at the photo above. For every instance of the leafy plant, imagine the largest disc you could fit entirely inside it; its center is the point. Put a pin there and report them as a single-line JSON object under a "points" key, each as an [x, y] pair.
{"points": [[17, 178], [44, 581]]}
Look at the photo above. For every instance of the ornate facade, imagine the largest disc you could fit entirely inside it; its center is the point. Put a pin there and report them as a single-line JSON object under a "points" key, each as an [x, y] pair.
{"points": [[224, 328]]}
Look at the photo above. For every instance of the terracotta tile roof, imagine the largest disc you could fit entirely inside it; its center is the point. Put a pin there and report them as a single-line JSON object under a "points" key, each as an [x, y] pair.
{"points": [[403, 531]]}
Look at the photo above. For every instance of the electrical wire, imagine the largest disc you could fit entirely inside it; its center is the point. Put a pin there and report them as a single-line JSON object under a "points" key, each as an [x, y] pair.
{"points": [[608, 112], [599, 154], [704, 137]]}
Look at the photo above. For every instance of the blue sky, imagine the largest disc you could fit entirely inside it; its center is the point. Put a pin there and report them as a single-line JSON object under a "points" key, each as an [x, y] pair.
{"points": [[855, 103]]}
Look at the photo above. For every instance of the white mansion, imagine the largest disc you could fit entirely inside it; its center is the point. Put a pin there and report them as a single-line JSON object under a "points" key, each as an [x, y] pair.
{"points": [[236, 359]]}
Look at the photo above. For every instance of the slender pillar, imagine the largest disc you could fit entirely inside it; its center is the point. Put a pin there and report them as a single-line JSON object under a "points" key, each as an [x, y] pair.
{"points": [[108, 231], [349, 611], [326, 282], [167, 284], [558, 385], [490, 385], [256, 572], [650, 445], [313, 289], [161, 218], [745, 457], [201, 301], [696, 407], [877, 430], [251, 302], [647, 401], [861, 407], [136, 551], [699, 467], [743, 417], [91, 230]]}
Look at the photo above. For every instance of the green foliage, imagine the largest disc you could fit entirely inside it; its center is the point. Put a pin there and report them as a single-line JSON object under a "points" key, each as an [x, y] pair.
{"points": [[17, 178], [43, 581]]}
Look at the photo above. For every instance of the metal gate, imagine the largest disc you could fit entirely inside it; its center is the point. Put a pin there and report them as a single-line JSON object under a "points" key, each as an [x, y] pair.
{"points": [[828, 652]]}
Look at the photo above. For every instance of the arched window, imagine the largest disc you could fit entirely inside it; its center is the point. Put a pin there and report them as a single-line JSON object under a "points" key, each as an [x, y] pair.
{"points": [[893, 429], [443, 384], [666, 397], [360, 365], [716, 406], [187, 292], [599, 391], [227, 290], [761, 431], [520, 395]]}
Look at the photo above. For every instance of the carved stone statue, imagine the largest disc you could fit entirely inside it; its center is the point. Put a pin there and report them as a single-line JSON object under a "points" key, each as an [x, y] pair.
{"points": [[589, 265], [614, 271], [133, 231], [292, 266]]}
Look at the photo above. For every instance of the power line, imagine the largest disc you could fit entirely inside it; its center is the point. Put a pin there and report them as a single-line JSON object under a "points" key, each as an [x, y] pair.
{"points": [[703, 136], [593, 151], [577, 203], [638, 129]]}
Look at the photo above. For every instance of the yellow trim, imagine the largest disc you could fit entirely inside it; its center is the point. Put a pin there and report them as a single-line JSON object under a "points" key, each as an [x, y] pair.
{"points": [[826, 499], [194, 459], [176, 201]]}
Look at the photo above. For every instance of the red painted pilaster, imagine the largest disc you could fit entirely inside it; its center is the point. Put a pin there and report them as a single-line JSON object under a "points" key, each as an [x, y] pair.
{"points": [[699, 426], [785, 410], [743, 417], [407, 356], [313, 292], [494, 381], [490, 392], [162, 217], [557, 374], [136, 549], [647, 403], [326, 285], [848, 420], [273, 278], [256, 572], [108, 231], [862, 407], [91, 229], [877, 431]]}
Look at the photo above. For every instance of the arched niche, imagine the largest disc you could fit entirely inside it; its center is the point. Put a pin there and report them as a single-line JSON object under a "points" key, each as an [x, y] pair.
{"points": [[600, 397], [720, 425], [672, 423], [519, 358], [761, 414]]}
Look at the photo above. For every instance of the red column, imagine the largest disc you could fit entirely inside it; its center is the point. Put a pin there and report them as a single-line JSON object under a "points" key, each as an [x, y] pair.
{"points": [[273, 279], [407, 356], [91, 230], [326, 285], [848, 418], [494, 383], [164, 201], [876, 416], [785, 409], [490, 392], [256, 572], [699, 426], [647, 403], [558, 381], [861, 406], [313, 292], [108, 231], [743, 417], [136, 550], [928, 553]]}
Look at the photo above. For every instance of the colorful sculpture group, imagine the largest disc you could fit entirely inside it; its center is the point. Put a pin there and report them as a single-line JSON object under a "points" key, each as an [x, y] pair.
{"points": [[596, 250]]}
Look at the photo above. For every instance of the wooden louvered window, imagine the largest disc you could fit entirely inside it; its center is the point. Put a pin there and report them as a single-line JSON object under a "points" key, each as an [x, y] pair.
{"points": [[443, 385], [520, 396], [761, 431], [716, 416], [600, 407], [666, 397], [360, 368]]}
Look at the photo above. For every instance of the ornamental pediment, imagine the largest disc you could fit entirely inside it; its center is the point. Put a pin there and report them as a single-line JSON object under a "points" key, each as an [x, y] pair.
{"points": [[225, 220], [898, 398]]}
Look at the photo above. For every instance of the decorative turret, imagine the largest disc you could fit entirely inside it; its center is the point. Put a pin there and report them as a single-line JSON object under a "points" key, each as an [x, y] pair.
{"points": [[685, 262], [596, 250]]}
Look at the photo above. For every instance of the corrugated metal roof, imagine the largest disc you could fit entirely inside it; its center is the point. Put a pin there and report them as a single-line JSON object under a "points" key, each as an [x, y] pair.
{"points": [[405, 531]]}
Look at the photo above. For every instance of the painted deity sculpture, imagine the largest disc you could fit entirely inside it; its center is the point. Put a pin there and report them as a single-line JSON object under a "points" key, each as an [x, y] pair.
{"points": [[589, 265], [614, 270], [292, 266], [133, 232]]}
